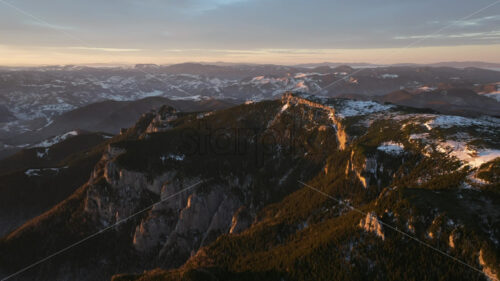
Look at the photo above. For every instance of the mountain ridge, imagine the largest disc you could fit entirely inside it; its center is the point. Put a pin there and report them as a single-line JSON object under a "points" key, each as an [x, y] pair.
{"points": [[382, 169]]}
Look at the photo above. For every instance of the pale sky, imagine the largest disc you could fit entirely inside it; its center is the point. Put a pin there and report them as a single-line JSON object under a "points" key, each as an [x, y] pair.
{"points": [[34, 32]]}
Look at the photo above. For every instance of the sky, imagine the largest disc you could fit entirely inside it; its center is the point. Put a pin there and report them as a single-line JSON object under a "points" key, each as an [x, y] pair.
{"points": [[34, 32]]}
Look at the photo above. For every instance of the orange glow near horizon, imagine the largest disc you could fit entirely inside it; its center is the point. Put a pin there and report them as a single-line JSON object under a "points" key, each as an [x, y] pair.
{"points": [[33, 56]]}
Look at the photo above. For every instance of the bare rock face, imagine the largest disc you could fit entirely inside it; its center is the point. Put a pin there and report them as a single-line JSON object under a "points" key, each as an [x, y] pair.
{"points": [[182, 220], [371, 224], [179, 223], [115, 193], [155, 228], [161, 122], [152, 231], [221, 220], [342, 136], [205, 216], [451, 240], [198, 212], [373, 169], [362, 172], [241, 220], [489, 272]]}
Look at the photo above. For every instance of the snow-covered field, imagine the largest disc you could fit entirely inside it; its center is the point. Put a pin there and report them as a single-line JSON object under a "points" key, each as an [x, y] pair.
{"points": [[448, 121], [350, 108], [466, 154], [455, 143]]}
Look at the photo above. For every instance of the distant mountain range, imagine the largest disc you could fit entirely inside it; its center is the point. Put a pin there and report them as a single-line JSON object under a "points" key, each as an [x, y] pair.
{"points": [[456, 64], [450, 101], [37, 103]]}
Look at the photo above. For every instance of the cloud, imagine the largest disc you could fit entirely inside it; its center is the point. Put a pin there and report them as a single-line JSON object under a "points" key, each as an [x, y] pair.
{"points": [[481, 35], [495, 34], [226, 52], [196, 7], [105, 49], [476, 21], [42, 24]]}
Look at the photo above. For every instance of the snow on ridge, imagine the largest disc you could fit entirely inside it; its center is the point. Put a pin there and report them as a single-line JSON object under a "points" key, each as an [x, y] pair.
{"points": [[192, 98], [269, 80], [306, 74], [154, 93], [260, 79], [466, 154], [457, 146], [57, 139], [448, 121], [351, 108], [302, 75], [392, 148]]}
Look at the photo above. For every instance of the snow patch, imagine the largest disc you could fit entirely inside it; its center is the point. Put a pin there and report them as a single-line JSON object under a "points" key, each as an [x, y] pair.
{"points": [[43, 153], [171, 156], [37, 172], [392, 148], [305, 75], [351, 108], [423, 136], [57, 139], [466, 154], [448, 121], [154, 93], [389, 76], [193, 98], [494, 95]]}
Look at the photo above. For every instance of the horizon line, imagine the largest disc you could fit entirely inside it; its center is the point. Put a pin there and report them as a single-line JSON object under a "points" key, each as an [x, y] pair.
{"points": [[132, 64]]}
